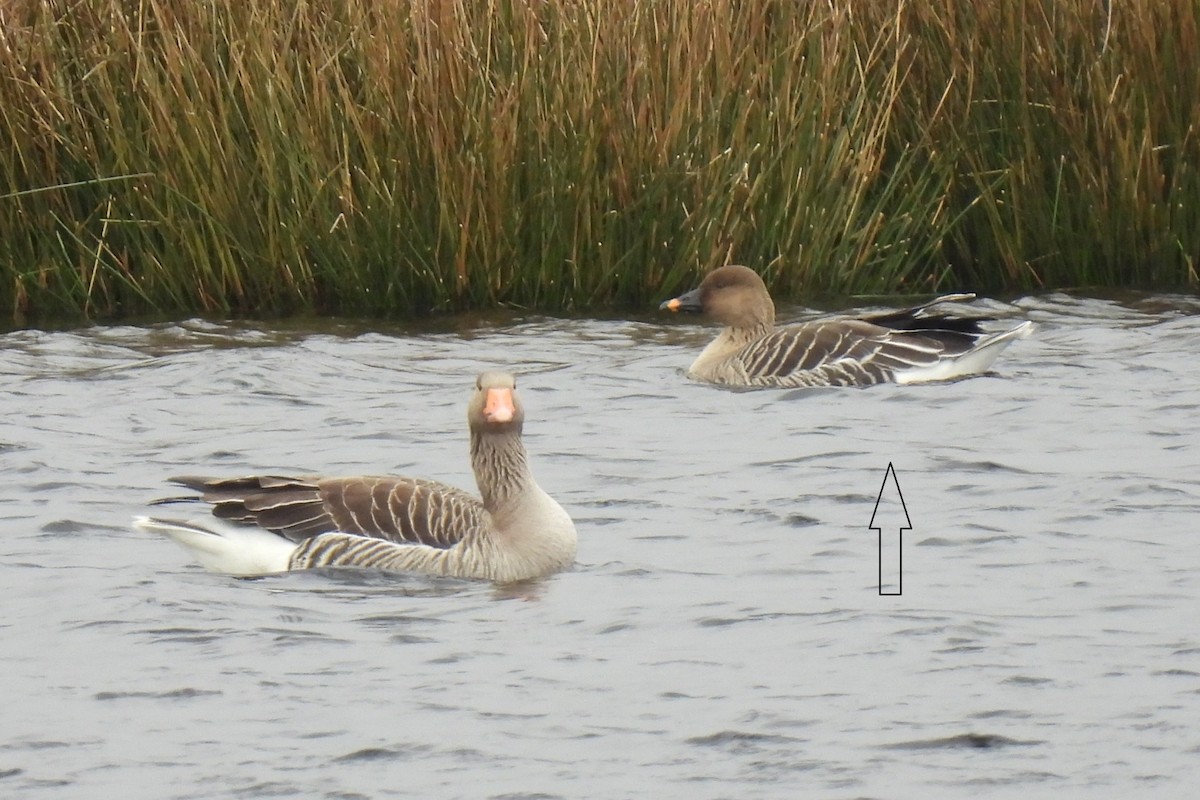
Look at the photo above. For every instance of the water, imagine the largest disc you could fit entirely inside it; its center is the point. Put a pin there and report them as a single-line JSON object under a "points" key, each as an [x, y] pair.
{"points": [[722, 635]]}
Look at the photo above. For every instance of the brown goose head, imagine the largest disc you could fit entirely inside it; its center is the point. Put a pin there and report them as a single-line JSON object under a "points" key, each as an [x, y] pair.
{"points": [[495, 407], [733, 296]]}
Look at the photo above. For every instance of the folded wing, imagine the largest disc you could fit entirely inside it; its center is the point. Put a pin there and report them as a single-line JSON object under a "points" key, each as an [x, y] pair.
{"points": [[401, 510], [842, 353]]}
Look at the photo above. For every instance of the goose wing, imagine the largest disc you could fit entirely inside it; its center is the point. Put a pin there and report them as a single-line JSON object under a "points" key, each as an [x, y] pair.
{"points": [[923, 318], [837, 353], [401, 510]]}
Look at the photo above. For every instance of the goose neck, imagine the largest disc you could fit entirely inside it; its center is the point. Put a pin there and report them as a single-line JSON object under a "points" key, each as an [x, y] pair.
{"points": [[501, 469], [744, 334]]}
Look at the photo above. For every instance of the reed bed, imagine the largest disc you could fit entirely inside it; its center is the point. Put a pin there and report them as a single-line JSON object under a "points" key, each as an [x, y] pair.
{"points": [[396, 157]]}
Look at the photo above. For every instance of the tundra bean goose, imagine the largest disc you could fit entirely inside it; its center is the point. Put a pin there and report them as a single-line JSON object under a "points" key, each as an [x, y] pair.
{"points": [[914, 345], [265, 524]]}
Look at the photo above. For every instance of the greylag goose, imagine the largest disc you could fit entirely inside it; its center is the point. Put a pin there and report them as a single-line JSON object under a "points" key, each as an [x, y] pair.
{"points": [[267, 524], [913, 345]]}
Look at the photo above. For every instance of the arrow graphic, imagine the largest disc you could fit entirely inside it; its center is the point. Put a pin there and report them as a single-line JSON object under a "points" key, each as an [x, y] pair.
{"points": [[892, 517]]}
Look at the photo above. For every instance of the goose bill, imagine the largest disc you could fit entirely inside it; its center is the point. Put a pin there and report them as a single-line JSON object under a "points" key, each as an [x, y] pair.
{"points": [[689, 301], [499, 406]]}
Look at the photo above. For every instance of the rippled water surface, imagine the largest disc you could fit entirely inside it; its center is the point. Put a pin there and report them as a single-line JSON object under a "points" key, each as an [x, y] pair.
{"points": [[722, 635]]}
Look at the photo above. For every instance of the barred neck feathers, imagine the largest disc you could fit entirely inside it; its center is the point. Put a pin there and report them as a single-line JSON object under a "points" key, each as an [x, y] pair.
{"points": [[496, 417], [500, 465]]}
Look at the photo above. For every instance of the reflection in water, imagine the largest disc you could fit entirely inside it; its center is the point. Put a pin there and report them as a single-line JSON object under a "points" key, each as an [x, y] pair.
{"points": [[721, 634]]}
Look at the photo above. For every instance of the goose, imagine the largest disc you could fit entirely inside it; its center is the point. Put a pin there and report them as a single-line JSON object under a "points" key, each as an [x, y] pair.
{"points": [[265, 524], [912, 345]]}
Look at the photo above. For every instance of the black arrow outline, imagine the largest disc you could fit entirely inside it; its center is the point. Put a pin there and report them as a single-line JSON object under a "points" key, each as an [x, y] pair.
{"points": [[900, 571]]}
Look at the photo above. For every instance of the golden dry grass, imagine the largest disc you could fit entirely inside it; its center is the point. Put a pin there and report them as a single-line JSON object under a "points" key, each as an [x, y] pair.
{"points": [[403, 156]]}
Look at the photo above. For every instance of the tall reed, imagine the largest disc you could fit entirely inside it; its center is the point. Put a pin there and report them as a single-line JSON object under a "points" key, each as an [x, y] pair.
{"points": [[403, 156], [1077, 128]]}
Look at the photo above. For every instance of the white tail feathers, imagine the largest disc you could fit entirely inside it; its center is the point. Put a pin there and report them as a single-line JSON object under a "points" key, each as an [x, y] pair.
{"points": [[975, 361], [222, 547]]}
